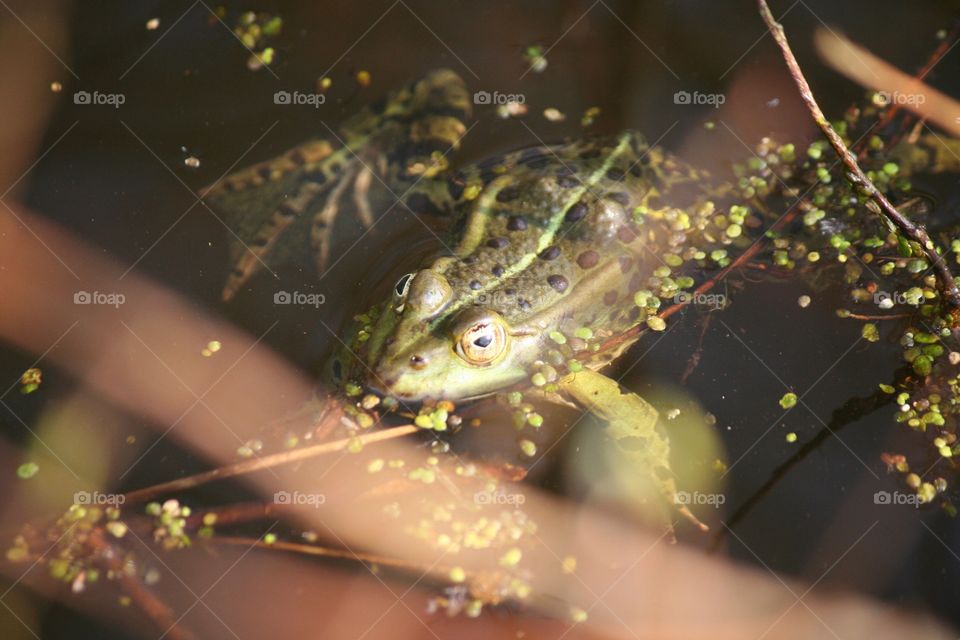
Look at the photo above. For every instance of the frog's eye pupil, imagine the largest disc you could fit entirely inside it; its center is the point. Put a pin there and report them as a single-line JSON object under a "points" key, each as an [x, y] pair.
{"points": [[337, 370], [403, 284], [483, 341]]}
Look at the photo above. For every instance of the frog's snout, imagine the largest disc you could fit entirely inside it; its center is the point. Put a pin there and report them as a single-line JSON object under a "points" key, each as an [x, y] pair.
{"points": [[384, 379]]}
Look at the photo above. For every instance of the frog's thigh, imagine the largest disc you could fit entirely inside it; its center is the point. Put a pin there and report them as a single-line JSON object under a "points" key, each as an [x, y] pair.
{"points": [[632, 424]]}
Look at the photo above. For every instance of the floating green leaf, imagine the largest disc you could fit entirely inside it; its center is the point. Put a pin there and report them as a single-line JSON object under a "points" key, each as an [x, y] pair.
{"points": [[27, 470], [789, 400]]}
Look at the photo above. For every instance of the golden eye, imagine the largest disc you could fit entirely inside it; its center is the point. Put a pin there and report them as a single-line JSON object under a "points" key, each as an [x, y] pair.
{"points": [[482, 342]]}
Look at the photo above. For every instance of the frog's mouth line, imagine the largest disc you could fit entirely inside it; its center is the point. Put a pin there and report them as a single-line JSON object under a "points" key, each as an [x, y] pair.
{"points": [[414, 398], [385, 383]]}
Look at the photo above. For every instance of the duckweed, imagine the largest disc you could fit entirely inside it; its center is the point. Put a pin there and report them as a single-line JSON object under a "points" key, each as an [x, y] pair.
{"points": [[789, 400]]}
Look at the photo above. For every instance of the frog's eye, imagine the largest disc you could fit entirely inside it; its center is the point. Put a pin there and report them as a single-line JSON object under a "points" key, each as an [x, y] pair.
{"points": [[482, 342], [403, 284]]}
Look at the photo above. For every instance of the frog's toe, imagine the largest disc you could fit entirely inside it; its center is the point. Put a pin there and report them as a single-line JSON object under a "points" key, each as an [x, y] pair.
{"points": [[259, 249], [361, 197]]}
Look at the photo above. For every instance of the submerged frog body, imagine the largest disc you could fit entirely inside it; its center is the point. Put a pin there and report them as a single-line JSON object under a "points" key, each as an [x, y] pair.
{"points": [[541, 245], [547, 245]]}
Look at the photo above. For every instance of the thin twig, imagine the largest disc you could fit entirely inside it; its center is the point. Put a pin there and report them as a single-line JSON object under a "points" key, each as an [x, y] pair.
{"points": [[327, 552], [890, 113], [266, 462], [634, 331], [868, 317], [162, 615], [948, 286], [694, 361], [851, 411]]}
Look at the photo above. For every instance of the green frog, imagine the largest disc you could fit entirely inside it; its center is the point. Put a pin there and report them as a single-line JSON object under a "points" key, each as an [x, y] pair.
{"points": [[545, 252]]}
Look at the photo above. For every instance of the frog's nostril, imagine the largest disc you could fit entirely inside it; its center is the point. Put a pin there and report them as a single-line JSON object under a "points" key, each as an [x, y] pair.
{"points": [[418, 362]]}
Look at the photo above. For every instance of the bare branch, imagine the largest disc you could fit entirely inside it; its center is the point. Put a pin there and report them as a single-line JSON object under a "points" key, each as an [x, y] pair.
{"points": [[947, 285], [266, 462]]}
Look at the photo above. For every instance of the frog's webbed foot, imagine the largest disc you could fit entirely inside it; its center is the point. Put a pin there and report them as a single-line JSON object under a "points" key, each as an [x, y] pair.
{"points": [[321, 231], [268, 207], [361, 196], [632, 425]]}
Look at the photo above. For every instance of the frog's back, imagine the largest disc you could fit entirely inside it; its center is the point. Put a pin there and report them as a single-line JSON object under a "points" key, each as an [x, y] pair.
{"points": [[551, 236], [543, 241]]}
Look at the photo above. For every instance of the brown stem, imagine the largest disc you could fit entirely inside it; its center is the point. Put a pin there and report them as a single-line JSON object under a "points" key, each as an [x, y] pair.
{"points": [[266, 462], [694, 361], [328, 552], [948, 286], [850, 412], [891, 112], [162, 615], [894, 316]]}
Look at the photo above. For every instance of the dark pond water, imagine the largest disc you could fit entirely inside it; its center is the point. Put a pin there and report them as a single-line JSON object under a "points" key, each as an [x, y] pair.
{"points": [[188, 93]]}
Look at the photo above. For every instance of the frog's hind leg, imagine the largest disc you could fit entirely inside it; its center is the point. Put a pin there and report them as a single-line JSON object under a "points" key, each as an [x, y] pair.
{"points": [[321, 231], [282, 210], [266, 203], [249, 258]]}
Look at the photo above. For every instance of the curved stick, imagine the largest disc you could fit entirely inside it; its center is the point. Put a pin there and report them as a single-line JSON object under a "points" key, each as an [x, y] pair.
{"points": [[266, 462]]}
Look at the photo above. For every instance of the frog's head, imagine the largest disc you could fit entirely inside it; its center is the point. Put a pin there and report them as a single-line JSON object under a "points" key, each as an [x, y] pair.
{"points": [[423, 347]]}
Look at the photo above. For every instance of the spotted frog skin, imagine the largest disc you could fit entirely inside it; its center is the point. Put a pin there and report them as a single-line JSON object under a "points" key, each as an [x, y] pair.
{"points": [[546, 244], [543, 249]]}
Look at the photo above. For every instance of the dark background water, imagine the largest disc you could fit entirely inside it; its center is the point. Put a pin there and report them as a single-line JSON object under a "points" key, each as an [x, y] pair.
{"points": [[188, 92]]}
